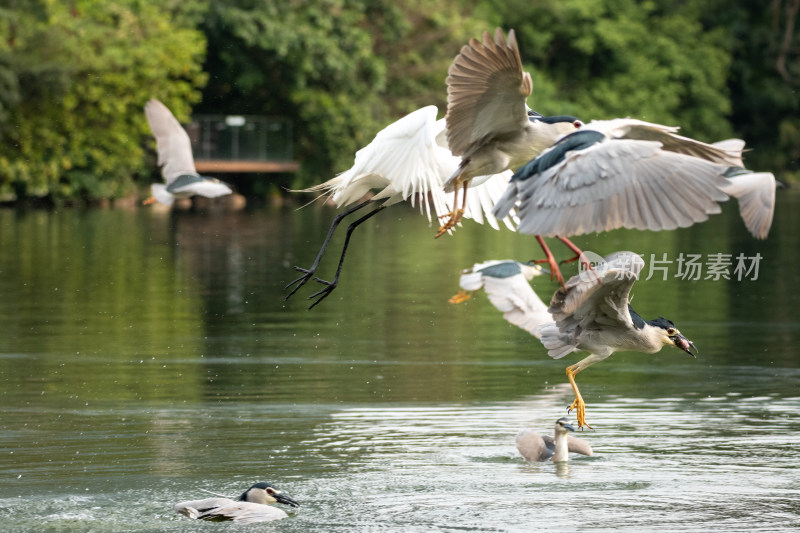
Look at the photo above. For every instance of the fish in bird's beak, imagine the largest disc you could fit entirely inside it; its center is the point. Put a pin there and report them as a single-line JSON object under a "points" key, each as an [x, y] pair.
{"points": [[685, 344], [284, 499]]}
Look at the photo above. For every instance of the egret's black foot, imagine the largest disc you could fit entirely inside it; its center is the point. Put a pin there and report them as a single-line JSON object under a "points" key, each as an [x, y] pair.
{"points": [[302, 280], [322, 293]]}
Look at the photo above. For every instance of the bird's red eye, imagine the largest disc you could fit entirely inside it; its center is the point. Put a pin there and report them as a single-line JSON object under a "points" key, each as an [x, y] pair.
{"points": [[577, 124]]}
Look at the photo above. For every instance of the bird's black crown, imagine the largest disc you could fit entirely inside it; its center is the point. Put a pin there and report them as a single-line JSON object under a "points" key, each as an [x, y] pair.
{"points": [[662, 323]]}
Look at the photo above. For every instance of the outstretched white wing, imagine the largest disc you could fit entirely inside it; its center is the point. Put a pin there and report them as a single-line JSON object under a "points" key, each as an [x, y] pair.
{"points": [[172, 141], [510, 292]]}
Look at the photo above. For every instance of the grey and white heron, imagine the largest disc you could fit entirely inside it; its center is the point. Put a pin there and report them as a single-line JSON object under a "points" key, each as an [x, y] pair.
{"points": [[534, 447], [175, 157], [626, 173], [507, 284], [593, 313], [488, 120], [252, 506], [406, 161]]}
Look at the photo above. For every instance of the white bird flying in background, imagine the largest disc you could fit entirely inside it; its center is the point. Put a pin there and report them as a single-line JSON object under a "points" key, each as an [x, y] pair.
{"points": [[176, 161]]}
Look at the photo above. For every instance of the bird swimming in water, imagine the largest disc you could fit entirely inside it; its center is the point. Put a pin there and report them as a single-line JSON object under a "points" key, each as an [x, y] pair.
{"points": [[593, 313], [534, 447], [252, 506], [175, 157]]}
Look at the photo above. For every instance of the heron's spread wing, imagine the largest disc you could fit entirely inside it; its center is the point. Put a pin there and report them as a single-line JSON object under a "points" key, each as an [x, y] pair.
{"points": [[482, 199], [188, 184], [509, 291], [755, 192], [533, 447], [486, 92], [599, 298], [618, 184], [576, 445], [728, 153], [403, 161], [172, 141]]}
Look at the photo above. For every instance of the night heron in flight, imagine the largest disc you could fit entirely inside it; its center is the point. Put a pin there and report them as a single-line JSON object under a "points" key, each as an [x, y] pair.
{"points": [[406, 161], [252, 506], [534, 447], [507, 284], [593, 313], [625, 173], [175, 157], [489, 124]]}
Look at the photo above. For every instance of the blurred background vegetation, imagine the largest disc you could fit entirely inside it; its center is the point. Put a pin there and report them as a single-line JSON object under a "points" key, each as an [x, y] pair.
{"points": [[75, 74]]}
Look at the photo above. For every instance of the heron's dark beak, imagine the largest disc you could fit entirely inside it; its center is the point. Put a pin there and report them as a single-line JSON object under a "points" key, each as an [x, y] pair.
{"points": [[543, 270], [282, 498], [685, 344], [568, 427]]}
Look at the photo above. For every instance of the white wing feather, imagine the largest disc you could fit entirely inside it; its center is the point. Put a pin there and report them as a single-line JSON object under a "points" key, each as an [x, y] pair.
{"points": [[172, 142]]}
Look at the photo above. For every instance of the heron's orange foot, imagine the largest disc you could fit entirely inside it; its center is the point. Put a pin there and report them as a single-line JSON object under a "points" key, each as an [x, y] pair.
{"points": [[462, 296], [149, 201], [453, 218], [555, 272], [580, 411]]}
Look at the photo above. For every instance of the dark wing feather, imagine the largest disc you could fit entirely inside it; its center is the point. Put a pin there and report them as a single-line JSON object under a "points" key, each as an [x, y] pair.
{"points": [[486, 92], [598, 298]]}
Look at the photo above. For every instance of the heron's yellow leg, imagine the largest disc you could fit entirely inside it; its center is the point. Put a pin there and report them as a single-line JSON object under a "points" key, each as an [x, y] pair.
{"points": [[149, 201], [578, 405], [455, 216], [462, 296]]}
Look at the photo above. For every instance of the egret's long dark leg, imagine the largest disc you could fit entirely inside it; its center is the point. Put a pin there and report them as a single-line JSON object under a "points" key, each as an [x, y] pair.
{"points": [[550, 260], [308, 272], [330, 285]]}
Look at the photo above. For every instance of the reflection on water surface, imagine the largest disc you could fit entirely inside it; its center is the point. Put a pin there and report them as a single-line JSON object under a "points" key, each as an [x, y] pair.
{"points": [[145, 356]]}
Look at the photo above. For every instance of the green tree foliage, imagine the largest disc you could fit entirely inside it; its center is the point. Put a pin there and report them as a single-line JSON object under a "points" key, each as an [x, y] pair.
{"points": [[619, 58], [75, 74], [342, 69], [764, 39], [73, 79]]}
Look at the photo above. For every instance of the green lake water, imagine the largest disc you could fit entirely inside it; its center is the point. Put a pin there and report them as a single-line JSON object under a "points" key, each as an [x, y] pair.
{"points": [[146, 355]]}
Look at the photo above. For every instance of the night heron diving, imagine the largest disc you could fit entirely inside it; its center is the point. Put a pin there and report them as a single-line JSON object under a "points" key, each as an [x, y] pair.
{"points": [[175, 157], [252, 506], [625, 173], [406, 161], [489, 124], [534, 447], [593, 313]]}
